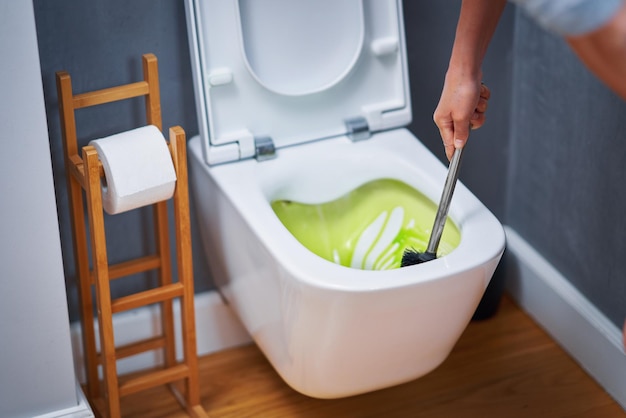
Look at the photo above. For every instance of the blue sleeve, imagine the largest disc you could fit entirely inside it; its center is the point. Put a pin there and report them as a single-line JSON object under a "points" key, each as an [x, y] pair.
{"points": [[570, 17]]}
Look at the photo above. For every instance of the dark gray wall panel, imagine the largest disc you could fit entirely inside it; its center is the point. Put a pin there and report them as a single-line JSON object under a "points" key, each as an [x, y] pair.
{"points": [[567, 167]]}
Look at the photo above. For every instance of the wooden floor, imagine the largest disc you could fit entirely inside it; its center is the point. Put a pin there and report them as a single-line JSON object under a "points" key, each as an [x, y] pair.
{"points": [[505, 366]]}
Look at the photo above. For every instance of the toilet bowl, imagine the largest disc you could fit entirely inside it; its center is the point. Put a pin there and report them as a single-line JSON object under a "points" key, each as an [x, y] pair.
{"points": [[329, 330]]}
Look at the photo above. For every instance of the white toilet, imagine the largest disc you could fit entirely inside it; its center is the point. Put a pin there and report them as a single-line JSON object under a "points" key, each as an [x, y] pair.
{"points": [[306, 101]]}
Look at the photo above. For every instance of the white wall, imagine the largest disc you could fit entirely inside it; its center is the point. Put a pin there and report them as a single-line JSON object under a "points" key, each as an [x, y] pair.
{"points": [[36, 368]]}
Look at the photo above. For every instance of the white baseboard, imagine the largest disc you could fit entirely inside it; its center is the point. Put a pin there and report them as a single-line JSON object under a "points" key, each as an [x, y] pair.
{"points": [[217, 329], [82, 410], [572, 320]]}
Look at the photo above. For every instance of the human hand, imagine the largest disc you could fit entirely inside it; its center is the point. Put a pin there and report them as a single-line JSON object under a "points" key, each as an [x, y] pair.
{"points": [[462, 107]]}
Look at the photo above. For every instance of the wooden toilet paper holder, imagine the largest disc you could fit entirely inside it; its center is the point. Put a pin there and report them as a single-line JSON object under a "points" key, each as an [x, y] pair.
{"points": [[85, 173]]}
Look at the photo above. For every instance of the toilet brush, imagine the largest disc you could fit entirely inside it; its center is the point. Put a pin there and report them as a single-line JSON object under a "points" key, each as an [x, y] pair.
{"points": [[411, 256]]}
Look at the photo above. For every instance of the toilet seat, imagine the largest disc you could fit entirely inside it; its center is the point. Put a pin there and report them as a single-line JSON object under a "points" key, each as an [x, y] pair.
{"points": [[259, 88]]}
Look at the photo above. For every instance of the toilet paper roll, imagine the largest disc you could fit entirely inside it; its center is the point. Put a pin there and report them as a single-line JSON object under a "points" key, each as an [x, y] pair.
{"points": [[138, 168]]}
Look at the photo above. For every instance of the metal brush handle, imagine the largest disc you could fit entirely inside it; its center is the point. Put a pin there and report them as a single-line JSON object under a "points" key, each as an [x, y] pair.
{"points": [[444, 203]]}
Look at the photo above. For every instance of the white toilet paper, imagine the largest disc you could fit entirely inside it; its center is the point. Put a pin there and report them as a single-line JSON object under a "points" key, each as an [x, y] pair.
{"points": [[138, 168]]}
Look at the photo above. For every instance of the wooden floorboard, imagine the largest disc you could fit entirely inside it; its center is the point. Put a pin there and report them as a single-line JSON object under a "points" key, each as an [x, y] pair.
{"points": [[505, 366]]}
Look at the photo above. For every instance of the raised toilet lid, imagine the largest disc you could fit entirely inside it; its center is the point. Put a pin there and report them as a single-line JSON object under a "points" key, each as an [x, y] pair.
{"points": [[283, 72]]}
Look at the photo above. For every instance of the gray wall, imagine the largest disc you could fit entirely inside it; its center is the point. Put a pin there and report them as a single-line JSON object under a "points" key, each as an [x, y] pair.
{"points": [[100, 43], [36, 367], [565, 192]]}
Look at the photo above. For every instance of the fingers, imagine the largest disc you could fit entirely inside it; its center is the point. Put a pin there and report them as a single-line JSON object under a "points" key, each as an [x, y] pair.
{"points": [[454, 133], [482, 104], [461, 133], [446, 130], [484, 91], [478, 118]]}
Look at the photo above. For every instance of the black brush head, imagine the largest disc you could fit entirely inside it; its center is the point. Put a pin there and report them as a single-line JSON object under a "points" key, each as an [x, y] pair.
{"points": [[412, 257]]}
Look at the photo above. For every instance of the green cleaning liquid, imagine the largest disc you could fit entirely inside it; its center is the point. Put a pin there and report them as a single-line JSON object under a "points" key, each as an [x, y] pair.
{"points": [[368, 228]]}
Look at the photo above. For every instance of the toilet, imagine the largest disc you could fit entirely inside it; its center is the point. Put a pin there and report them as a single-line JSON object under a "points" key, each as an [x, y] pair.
{"points": [[305, 102]]}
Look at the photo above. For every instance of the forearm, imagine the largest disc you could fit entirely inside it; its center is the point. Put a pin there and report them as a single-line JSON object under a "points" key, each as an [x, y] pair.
{"points": [[477, 23], [604, 51]]}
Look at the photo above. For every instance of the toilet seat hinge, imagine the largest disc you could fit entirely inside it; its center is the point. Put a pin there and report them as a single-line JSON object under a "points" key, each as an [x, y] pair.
{"points": [[357, 128], [264, 148]]}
